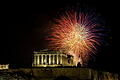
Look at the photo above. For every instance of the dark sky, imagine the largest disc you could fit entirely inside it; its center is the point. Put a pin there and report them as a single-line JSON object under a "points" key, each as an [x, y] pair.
{"points": [[27, 21]]}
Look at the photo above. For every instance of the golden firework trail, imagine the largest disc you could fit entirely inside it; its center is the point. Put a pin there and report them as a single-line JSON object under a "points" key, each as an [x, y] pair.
{"points": [[75, 34]]}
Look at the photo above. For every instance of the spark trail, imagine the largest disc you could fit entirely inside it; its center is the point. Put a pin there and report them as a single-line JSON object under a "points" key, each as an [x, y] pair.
{"points": [[77, 34]]}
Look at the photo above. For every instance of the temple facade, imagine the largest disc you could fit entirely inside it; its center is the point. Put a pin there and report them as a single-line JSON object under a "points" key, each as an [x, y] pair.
{"points": [[46, 58]]}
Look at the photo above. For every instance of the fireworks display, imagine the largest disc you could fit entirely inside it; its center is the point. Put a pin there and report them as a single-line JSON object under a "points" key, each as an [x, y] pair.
{"points": [[77, 34]]}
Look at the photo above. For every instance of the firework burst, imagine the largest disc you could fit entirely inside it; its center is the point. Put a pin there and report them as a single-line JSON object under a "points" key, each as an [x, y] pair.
{"points": [[77, 34]]}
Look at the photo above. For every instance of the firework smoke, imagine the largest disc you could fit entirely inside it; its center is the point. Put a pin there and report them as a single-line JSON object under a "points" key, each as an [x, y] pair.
{"points": [[77, 34]]}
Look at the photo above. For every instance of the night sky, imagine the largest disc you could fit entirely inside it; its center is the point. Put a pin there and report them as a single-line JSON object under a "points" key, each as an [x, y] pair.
{"points": [[28, 21]]}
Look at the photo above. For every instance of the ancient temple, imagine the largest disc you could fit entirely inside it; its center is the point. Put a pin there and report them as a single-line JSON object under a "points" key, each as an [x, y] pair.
{"points": [[47, 58], [50, 66]]}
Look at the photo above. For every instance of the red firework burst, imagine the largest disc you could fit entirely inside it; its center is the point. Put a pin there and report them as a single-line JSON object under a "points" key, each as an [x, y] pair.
{"points": [[75, 34]]}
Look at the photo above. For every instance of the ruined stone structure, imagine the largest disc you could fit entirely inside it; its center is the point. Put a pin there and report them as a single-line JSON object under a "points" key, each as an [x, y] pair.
{"points": [[45, 58], [52, 65], [4, 66]]}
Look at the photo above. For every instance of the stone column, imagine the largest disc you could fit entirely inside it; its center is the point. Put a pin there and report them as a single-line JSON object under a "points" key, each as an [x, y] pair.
{"points": [[53, 59], [41, 58], [60, 58], [34, 60], [49, 58], [45, 59], [38, 59], [57, 59]]}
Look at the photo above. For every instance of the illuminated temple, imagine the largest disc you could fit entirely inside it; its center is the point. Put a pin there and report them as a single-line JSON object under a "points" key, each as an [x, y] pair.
{"points": [[46, 58], [49, 65]]}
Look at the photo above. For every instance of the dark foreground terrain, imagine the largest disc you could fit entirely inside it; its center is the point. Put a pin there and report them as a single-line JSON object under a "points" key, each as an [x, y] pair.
{"points": [[56, 74]]}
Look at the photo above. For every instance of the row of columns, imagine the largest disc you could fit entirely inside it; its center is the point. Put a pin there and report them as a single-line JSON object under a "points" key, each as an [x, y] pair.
{"points": [[41, 59]]}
